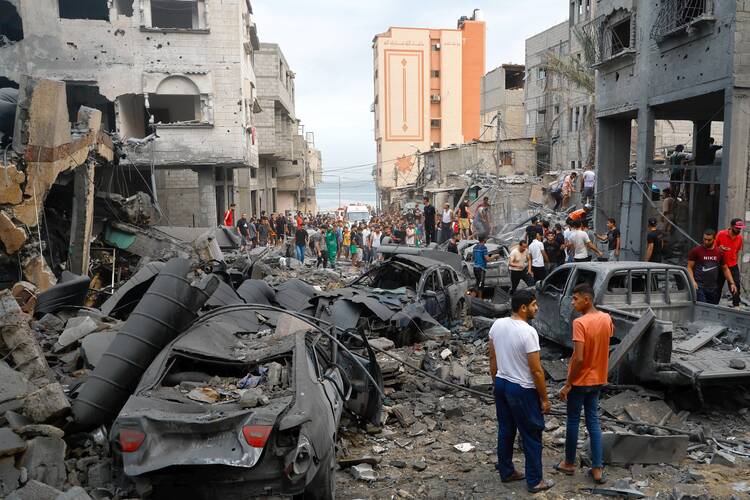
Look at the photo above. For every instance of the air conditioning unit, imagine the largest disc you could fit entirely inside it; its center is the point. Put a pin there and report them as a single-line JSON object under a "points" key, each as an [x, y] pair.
{"points": [[437, 46], [435, 97]]}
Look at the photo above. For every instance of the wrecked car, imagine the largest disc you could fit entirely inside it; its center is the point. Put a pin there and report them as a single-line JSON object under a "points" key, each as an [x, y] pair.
{"points": [[246, 402], [420, 293], [651, 304]]}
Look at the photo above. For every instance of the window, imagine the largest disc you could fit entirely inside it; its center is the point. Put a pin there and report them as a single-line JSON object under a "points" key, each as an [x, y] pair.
{"points": [[430, 284], [618, 284], [175, 108], [435, 123], [84, 9], [584, 276], [124, 7], [175, 14], [435, 47], [556, 281], [253, 173], [11, 26], [541, 73], [507, 158], [447, 277], [556, 109], [620, 36], [435, 73], [273, 172]]}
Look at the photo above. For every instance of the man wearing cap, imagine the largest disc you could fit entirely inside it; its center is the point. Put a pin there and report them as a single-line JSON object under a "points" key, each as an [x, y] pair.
{"points": [[730, 242]]}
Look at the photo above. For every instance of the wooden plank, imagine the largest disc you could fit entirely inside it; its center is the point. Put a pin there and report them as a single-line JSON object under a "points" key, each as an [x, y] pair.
{"points": [[700, 339], [634, 335]]}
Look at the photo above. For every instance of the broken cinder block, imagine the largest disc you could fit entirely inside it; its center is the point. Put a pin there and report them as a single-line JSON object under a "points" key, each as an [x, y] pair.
{"points": [[623, 448]]}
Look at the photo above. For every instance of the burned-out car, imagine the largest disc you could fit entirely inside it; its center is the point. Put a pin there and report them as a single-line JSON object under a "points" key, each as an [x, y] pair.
{"points": [[245, 403]]}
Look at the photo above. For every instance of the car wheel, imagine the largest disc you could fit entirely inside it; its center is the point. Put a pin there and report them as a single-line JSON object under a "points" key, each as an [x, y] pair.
{"points": [[323, 485]]}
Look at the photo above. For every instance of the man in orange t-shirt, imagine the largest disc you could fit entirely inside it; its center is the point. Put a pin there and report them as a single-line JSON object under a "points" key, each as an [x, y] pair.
{"points": [[587, 373], [730, 242]]}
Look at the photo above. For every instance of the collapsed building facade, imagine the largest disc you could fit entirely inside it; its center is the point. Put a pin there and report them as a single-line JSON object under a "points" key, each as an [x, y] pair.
{"points": [[680, 60], [176, 86]]}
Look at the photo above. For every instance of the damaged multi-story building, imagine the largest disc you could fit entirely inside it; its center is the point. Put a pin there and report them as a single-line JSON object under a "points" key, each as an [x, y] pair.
{"points": [[673, 60], [288, 158], [174, 81]]}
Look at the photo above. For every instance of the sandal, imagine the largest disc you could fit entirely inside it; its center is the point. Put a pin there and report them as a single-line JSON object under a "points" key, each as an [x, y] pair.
{"points": [[559, 468], [516, 476], [601, 480], [543, 486]]}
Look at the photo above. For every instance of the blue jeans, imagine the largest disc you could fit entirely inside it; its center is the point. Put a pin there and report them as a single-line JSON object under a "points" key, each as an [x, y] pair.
{"points": [[519, 409], [586, 397], [300, 250], [708, 295]]}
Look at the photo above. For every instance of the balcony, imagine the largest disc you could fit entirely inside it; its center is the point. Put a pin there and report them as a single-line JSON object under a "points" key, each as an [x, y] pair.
{"points": [[676, 17]]}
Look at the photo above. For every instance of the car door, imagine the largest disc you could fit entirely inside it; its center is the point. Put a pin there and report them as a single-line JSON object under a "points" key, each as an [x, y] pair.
{"points": [[452, 292], [549, 296], [567, 313], [433, 297]]}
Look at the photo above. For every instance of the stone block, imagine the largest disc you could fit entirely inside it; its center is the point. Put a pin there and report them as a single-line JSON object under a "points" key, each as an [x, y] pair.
{"points": [[13, 384], [48, 115], [621, 448], [45, 460], [10, 185], [76, 329], [74, 493], [10, 443], [46, 404], [100, 474], [34, 490], [9, 475], [12, 237]]}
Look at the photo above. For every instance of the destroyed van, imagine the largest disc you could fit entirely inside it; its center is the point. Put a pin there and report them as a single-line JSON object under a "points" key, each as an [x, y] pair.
{"points": [[662, 334]]}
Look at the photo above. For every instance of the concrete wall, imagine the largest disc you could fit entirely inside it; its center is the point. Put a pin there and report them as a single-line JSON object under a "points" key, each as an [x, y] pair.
{"points": [[508, 102], [126, 57]]}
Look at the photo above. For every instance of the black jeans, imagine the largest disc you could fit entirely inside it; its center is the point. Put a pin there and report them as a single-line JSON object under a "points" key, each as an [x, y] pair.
{"points": [[735, 270], [515, 277], [539, 273], [429, 233], [479, 276], [322, 259], [557, 196]]}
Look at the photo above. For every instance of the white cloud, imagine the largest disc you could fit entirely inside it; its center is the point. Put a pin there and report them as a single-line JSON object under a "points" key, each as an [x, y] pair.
{"points": [[328, 44]]}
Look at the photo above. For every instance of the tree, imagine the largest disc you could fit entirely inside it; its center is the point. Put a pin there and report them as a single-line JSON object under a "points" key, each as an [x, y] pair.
{"points": [[581, 74]]}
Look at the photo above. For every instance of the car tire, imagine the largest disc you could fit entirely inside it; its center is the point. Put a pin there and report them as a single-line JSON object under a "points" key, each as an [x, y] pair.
{"points": [[323, 485]]}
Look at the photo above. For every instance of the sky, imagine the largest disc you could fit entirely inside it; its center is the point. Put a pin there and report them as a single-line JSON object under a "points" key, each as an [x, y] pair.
{"points": [[328, 44]]}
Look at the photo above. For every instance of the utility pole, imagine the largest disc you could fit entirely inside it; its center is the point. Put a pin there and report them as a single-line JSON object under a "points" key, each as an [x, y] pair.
{"points": [[497, 143]]}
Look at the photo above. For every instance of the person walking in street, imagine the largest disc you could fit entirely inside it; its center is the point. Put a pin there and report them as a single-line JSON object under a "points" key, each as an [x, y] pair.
{"points": [[446, 223], [264, 231], [520, 392], [332, 246], [587, 373], [429, 221], [613, 240], [654, 243], [375, 238], [242, 228], [705, 263], [730, 242], [539, 258], [229, 215], [519, 262], [411, 235], [553, 251], [589, 183], [346, 241], [464, 220], [481, 257], [300, 240], [319, 242]]}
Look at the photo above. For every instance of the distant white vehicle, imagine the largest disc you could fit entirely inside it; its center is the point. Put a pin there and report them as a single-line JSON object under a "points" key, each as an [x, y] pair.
{"points": [[356, 214]]}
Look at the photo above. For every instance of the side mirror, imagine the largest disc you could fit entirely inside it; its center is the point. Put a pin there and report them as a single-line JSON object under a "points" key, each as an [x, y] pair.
{"points": [[538, 286]]}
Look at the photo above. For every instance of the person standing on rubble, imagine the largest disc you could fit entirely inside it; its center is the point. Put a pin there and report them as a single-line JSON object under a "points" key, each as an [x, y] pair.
{"points": [[300, 240], [481, 256], [519, 262], [464, 220], [520, 391], [654, 243], [587, 373], [229, 216], [242, 228], [332, 246], [319, 242], [568, 188], [705, 263], [579, 244], [539, 258], [446, 223], [264, 231], [429, 221], [346, 241], [589, 183], [730, 242], [613, 240]]}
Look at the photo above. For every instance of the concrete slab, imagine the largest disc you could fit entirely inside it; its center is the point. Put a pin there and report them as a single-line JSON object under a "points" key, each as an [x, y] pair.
{"points": [[34, 490], [9, 475], [643, 449], [45, 460], [10, 443]]}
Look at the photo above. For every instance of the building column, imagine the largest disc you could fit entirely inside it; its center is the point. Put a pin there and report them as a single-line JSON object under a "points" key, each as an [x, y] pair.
{"points": [[206, 198], [735, 162], [612, 167], [635, 220], [82, 219]]}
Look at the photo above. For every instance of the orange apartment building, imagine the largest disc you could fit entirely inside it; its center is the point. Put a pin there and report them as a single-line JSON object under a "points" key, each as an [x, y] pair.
{"points": [[427, 95]]}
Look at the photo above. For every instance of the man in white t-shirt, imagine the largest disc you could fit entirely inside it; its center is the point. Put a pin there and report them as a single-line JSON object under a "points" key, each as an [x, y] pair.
{"points": [[579, 244], [539, 259], [520, 391], [366, 251], [589, 182]]}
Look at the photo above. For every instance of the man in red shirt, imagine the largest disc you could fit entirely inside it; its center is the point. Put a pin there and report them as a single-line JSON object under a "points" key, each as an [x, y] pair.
{"points": [[229, 216], [705, 265], [730, 242]]}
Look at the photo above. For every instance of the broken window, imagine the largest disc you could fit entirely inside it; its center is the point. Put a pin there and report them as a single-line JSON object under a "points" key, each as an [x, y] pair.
{"points": [[84, 9], [177, 14], [174, 108], [88, 95], [124, 7], [620, 37], [676, 15], [514, 79], [11, 27]]}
